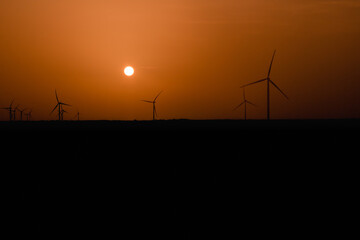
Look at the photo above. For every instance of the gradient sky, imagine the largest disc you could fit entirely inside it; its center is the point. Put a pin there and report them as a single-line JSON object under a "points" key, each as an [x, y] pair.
{"points": [[198, 51]]}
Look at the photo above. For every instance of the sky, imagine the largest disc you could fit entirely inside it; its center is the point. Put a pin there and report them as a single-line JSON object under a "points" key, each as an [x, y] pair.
{"points": [[199, 52]]}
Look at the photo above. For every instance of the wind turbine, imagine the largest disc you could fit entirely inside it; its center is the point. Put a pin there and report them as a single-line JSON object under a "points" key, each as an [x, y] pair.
{"points": [[14, 111], [77, 116], [62, 113], [21, 113], [59, 106], [28, 115], [268, 81], [10, 109], [244, 102], [153, 103]]}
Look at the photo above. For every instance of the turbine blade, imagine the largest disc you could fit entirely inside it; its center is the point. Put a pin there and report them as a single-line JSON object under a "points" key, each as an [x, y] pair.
{"points": [[57, 99], [244, 93], [65, 104], [147, 101], [271, 64], [238, 106], [157, 95], [279, 89], [54, 108], [253, 83], [250, 103], [12, 103]]}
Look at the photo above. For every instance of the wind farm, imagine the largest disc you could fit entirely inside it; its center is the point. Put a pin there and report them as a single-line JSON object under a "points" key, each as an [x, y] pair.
{"points": [[60, 105]]}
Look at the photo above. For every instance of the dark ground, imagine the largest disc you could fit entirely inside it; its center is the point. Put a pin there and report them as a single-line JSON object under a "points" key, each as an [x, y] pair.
{"points": [[179, 179]]}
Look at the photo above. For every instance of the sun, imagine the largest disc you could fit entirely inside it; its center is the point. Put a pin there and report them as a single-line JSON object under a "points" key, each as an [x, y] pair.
{"points": [[129, 71]]}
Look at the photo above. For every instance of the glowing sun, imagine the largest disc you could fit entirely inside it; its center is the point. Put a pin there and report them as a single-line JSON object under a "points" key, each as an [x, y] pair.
{"points": [[129, 71]]}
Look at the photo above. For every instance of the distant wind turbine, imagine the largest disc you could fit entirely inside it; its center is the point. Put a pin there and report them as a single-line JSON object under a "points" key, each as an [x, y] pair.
{"points": [[21, 113], [268, 81], [244, 102], [77, 116], [14, 111], [10, 109], [153, 103], [59, 106], [62, 113], [28, 115]]}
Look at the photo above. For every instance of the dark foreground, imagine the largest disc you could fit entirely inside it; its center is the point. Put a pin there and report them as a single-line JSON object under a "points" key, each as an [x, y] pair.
{"points": [[179, 179]]}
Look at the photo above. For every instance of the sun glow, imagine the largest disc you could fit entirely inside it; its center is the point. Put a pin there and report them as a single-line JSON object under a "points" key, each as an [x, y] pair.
{"points": [[129, 71]]}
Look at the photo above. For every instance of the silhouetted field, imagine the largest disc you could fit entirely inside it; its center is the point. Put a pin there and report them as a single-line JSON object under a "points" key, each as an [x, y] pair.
{"points": [[179, 179]]}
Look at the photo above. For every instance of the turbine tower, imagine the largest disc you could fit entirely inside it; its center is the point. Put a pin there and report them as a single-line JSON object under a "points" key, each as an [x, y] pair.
{"points": [[268, 81], [10, 109], [59, 106], [244, 102], [153, 103]]}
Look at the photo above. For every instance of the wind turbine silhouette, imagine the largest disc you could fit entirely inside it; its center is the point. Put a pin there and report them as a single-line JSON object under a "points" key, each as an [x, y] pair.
{"points": [[21, 113], [77, 116], [153, 103], [10, 109], [59, 106], [268, 81], [14, 111], [28, 115], [244, 102], [62, 113]]}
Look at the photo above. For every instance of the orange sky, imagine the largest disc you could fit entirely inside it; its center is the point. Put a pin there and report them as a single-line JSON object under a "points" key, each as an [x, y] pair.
{"points": [[198, 51]]}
